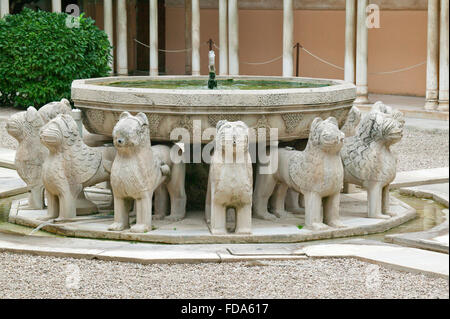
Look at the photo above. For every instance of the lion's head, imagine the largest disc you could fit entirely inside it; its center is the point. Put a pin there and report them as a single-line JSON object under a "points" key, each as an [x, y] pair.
{"points": [[383, 108], [51, 110], [61, 131], [325, 134], [131, 131], [381, 127], [24, 124], [233, 135]]}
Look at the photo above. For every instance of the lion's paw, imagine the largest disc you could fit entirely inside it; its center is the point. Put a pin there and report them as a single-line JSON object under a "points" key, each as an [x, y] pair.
{"points": [[117, 227], [266, 216], [140, 228], [280, 213], [158, 217], [174, 218], [319, 227], [336, 224]]}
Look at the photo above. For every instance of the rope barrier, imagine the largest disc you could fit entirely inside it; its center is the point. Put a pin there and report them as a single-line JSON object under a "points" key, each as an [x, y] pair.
{"points": [[400, 70], [371, 73], [322, 60], [302, 48], [168, 51], [261, 63]]}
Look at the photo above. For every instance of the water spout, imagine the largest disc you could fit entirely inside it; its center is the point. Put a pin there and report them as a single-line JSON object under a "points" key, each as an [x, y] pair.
{"points": [[212, 82]]}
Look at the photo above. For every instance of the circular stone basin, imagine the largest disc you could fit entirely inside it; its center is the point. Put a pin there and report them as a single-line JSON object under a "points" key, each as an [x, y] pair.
{"points": [[194, 230], [288, 104]]}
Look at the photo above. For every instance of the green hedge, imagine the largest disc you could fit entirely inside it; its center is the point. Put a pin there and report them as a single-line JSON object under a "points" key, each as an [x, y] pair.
{"points": [[40, 56]]}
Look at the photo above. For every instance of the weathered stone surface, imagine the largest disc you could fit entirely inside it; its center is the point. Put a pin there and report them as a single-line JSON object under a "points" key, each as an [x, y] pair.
{"points": [[138, 171], [317, 173], [367, 158], [230, 183], [31, 154], [70, 167], [353, 119], [291, 111], [194, 229]]}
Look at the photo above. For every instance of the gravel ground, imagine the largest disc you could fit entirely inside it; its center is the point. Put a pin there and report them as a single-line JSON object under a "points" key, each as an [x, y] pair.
{"points": [[420, 149], [24, 276]]}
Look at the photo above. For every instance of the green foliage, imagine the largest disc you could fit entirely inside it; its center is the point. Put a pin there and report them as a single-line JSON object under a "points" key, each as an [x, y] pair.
{"points": [[40, 56]]}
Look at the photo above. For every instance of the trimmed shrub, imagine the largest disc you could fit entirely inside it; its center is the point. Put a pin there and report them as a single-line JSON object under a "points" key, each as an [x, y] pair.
{"points": [[41, 54]]}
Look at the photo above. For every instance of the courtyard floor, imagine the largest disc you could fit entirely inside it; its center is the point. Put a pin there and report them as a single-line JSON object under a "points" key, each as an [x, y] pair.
{"points": [[362, 269], [25, 276]]}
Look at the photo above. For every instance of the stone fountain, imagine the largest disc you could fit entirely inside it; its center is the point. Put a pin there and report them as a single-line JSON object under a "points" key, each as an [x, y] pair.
{"points": [[288, 104], [149, 119]]}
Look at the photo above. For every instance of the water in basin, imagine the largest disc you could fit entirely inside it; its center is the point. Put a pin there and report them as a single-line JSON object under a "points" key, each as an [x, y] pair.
{"points": [[429, 214], [5, 227], [228, 84]]}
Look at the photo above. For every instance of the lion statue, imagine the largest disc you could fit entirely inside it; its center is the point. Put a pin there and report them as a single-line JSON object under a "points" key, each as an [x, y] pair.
{"points": [[368, 160], [70, 167], [353, 119], [138, 171], [51, 110], [316, 173], [295, 202], [230, 181], [31, 154]]}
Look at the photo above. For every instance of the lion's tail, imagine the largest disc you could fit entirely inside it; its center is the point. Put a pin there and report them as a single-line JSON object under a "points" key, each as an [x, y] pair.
{"points": [[165, 169]]}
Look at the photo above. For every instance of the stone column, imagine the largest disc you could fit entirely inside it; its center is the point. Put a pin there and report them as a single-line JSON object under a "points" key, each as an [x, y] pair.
{"points": [[350, 40], [108, 27], [122, 50], [233, 37], [433, 55], [443, 58], [4, 8], [195, 37], [154, 68], [187, 35], [223, 37], [56, 5], [288, 38], [362, 89]]}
